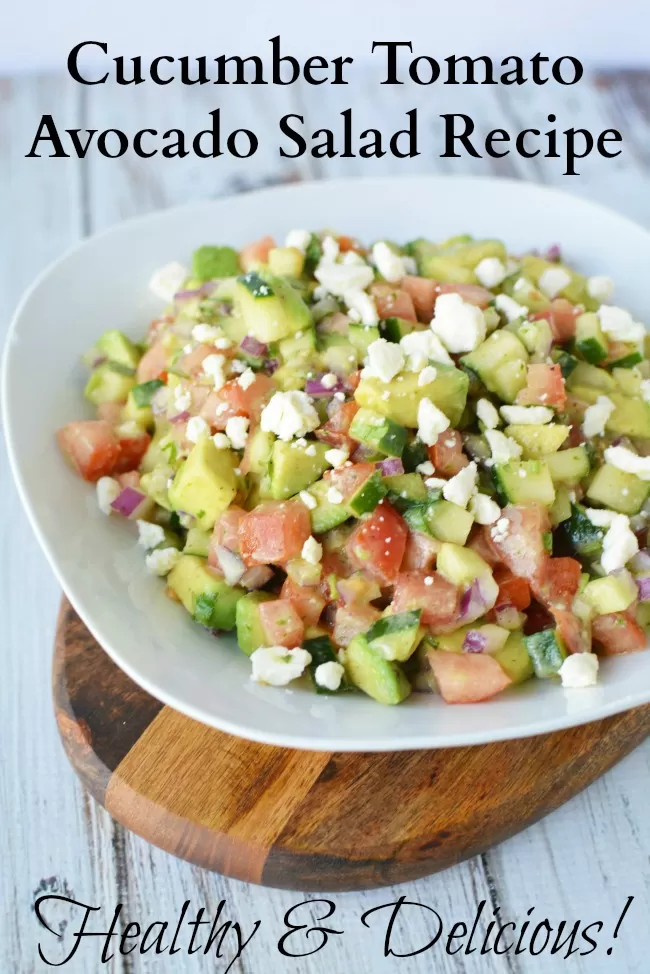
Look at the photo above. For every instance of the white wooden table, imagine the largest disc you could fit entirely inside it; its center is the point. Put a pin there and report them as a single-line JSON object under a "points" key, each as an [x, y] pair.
{"points": [[581, 862]]}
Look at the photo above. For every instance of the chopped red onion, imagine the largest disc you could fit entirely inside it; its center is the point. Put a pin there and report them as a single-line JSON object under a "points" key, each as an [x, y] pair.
{"points": [[478, 598], [253, 347], [129, 501], [363, 453], [271, 365], [180, 417], [474, 642], [256, 577], [641, 561], [316, 389], [643, 585], [553, 253], [98, 361], [390, 467], [230, 564], [188, 295]]}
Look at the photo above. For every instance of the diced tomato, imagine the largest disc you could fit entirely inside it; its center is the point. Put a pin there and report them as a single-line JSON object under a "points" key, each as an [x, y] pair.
{"points": [[192, 362], [544, 387], [561, 316], [333, 564], [91, 446], [233, 400], [132, 450], [423, 293], [447, 455], [153, 362], [351, 621], [129, 479], [377, 545], [306, 600], [349, 243], [513, 590], [537, 618], [521, 547], [110, 411], [351, 381], [225, 533], [557, 584], [438, 598], [256, 253], [575, 632], [471, 293], [281, 624], [392, 302], [465, 677], [273, 532], [349, 480], [618, 632], [479, 541], [336, 430], [421, 552]]}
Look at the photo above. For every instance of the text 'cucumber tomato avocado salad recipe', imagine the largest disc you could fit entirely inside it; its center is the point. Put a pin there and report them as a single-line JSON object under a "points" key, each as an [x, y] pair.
{"points": [[404, 468]]}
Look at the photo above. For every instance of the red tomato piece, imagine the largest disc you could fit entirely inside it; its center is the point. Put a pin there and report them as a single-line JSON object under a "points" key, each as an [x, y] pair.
{"points": [[557, 584], [349, 480], [233, 400], [351, 621], [153, 362], [561, 316], [438, 598], [618, 632], [465, 677], [421, 552], [110, 411], [423, 293], [281, 624], [471, 293], [349, 243], [274, 532], [336, 430], [513, 590], [392, 302], [479, 541], [447, 455], [537, 618], [91, 446], [192, 362], [575, 632], [225, 533], [544, 387], [132, 450], [333, 566], [521, 548], [377, 545], [256, 253], [307, 601]]}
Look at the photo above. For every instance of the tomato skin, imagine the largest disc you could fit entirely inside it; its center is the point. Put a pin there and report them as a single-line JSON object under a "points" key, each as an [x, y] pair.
{"points": [[281, 623], [336, 430], [423, 293], [351, 621], [561, 315], [273, 532], [91, 446], [479, 541], [192, 362], [471, 293], [439, 600], [233, 400], [132, 450], [152, 363], [465, 677], [256, 253], [333, 563], [348, 480], [522, 549], [307, 601], [377, 545], [574, 631], [225, 533], [513, 590], [392, 302], [447, 455], [618, 632], [421, 552], [558, 582], [544, 387]]}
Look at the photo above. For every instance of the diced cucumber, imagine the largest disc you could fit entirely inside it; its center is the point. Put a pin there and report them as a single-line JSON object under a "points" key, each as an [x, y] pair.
{"points": [[515, 659], [568, 467], [381, 679], [589, 375], [448, 391], [325, 515], [630, 357], [299, 349], [533, 267], [259, 450], [208, 599], [618, 490], [395, 637], [270, 307], [394, 329], [405, 490], [584, 537], [294, 469], [461, 565], [321, 649], [449, 522], [250, 632], [368, 495], [447, 270], [547, 652], [568, 363], [108, 384], [197, 542], [500, 362], [561, 509], [379, 432], [525, 292], [469, 253], [523, 482], [537, 337], [337, 354], [286, 261], [118, 348], [536, 439], [590, 340], [611, 594], [631, 417], [628, 381], [361, 337]]}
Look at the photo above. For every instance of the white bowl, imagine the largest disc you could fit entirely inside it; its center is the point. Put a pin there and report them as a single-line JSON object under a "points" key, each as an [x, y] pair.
{"points": [[103, 284]]}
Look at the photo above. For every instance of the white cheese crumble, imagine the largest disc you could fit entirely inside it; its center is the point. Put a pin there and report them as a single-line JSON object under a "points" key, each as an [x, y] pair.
{"points": [[289, 414], [149, 535], [435, 483], [108, 490], [490, 271], [342, 278], [299, 239], [600, 287], [501, 530], [488, 414], [428, 374], [459, 489], [553, 280], [596, 416], [212, 366], [503, 447], [277, 665], [527, 415], [579, 670], [162, 560], [182, 399], [431, 422], [426, 468], [336, 457], [623, 459], [222, 343], [329, 380], [619, 544], [167, 280], [619, 324], [510, 308], [385, 360], [420, 346], [308, 500], [600, 518], [363, 305], [484, 509], [196, 429], [389, 264], [206, 334], [459, 325], [312, 551], [334, 496], [246, 379], [238, 366], [221, 441], [237, 431], [329, 675]]}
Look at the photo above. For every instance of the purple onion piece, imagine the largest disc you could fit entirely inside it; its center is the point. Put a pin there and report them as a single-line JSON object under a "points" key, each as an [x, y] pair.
{"points": [[643, 585], [188, 295], [180, 417], [316, 389], [128, 501], [474, 642], [98, 361], [271, 365], [553, 253], [390, 467], [363, 453], [473, 603], [253, 347]]}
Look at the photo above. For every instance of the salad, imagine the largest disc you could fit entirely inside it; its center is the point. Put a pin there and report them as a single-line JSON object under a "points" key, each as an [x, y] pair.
{"points": [[420, 467]]}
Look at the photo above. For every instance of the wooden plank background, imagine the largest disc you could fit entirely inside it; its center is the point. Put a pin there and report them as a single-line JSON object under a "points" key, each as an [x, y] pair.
{"points": [[581, 862]]}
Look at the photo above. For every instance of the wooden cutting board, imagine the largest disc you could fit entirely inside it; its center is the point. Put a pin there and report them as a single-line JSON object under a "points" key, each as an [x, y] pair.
{"points": [[301, 819]]}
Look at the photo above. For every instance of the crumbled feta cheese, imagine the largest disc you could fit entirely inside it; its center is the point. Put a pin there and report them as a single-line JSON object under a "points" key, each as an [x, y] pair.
{"points": [[162, 560], [527, 415], [299, 239], [329, 675], [212, 366], [310, 451], [339, 396], [277, 665], [459, 325], [431, 422], [222, 343], [579, 670], [237, 431], [329, 380], [426, 468], [389, 264], [410, 265], [289, 414], [342, 279], [420, 346], [206, 334], [221, 441], [435, 483], [619, 544], [503, 447], [626, 460], [336, 457], [428, 580], [246, 379], [167, 280], [460, 488], [385, 360], [334, 496], [149, 535], [360, 303], [182, 399], [600, 287], [510, 308], [428, 374], [196, 429], [308, 500], [619, 324], [312, 551], [188, 348], [553, 280], [490, 272], [238, 366], [500, 530], [600, 518], [329, 248], [488, 414], [596, 416], [108, 490], [484, 509]]}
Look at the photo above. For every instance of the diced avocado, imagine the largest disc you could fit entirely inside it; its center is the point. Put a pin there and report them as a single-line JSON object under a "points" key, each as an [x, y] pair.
{"points": [[138, 403], [322, 651], [381, 679], [447, 270], [234, 327], [561, 509], [259, 450], [537, 439], [197, 542], [210, 262], [628, 381], [270, 307], [394, 329], [286, 261], [361, 337], [525, 292], [547, 652], [568, 467], [337, 354], [207, 598], [405, 490], [533, 267], [298, 349], [154, 484], [395, 637], [461, 565], [590, 340], [523, 482], [289, 377], [620, 491], [250, 632], [500, 362], [205, 483], [469, 253], [118, 348], [379, 432], [449, 522], [615, 593], [515, 659], [108, 384], [325, 515], [448, 391], [295, 468], [449, 642], [589, 375], [537, 337], [631, 417], [584, 537]]}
